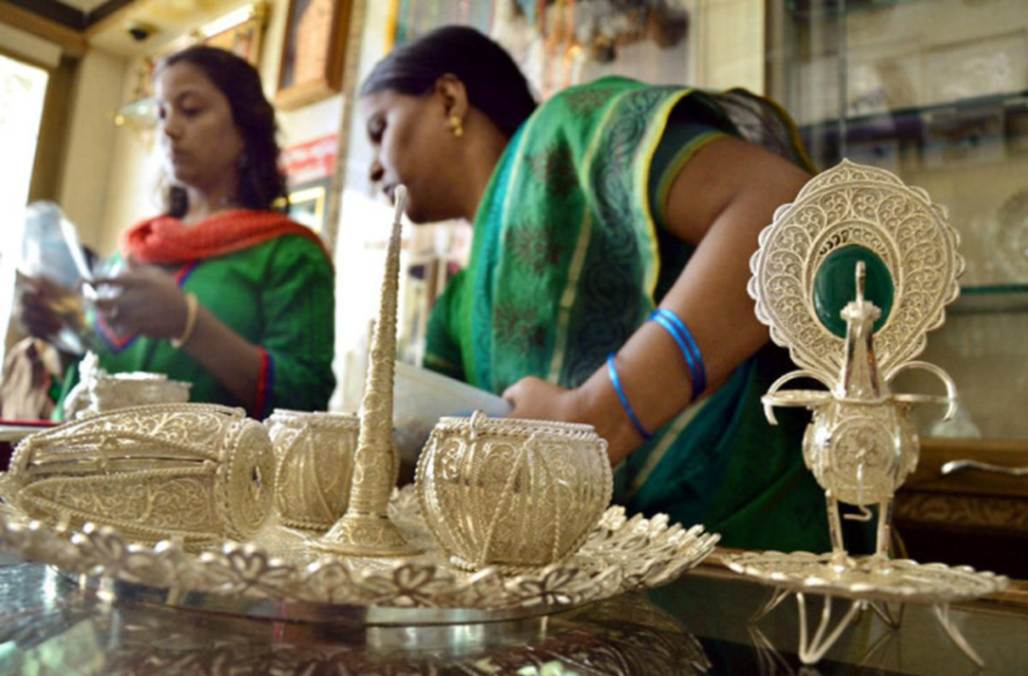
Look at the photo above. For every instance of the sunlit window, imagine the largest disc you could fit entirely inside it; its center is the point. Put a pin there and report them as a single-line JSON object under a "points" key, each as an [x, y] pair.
{"points": [[22, 90]]}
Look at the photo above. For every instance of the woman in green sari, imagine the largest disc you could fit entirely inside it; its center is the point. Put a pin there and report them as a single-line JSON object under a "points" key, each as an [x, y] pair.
{"points": [[606, 202], [222, 290]]}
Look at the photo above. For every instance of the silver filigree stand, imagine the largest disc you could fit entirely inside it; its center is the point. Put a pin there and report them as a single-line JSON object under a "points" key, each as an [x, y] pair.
{"points": [[812, 650], [804, 575], [365, 529], [860, 444]]}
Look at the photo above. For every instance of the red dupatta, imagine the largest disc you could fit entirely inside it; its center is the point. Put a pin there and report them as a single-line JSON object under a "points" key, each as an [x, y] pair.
{"points": [[166, 239]]}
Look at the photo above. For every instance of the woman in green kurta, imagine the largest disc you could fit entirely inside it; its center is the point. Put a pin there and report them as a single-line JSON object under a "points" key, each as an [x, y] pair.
{"points": [[276, 294], [610, 199], [221, 291]]}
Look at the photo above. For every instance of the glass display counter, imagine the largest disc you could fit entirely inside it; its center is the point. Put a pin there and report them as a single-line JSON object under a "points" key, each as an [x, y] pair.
{"points": [[698, 624]]}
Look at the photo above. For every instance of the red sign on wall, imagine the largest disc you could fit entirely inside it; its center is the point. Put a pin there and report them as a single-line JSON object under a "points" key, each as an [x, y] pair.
{"points": [[310, 161]]}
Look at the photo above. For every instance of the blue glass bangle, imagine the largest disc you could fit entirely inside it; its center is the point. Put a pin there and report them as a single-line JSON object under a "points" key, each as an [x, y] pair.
{"points": [[616, 382], [687, 344], [686, 352]]}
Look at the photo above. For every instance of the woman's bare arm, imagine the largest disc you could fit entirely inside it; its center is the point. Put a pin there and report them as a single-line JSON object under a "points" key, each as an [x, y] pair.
{"points": [[720, 201]]}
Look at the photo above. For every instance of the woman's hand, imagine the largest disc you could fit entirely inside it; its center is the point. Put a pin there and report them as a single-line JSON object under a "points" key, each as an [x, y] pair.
{"points": [[593, 403], [147, 301], [34, 306], [537, 399]]}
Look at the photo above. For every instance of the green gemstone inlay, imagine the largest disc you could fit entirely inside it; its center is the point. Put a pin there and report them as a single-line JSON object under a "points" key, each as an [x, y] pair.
{"points": [[835, 285]]}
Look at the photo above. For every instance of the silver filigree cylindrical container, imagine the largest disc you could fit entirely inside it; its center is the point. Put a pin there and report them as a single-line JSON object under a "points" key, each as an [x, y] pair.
{"points": [[512, 493], [199, 473], [314, 452]]}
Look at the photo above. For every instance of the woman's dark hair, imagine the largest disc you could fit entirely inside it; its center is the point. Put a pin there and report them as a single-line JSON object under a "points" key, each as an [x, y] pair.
{"points": [[260, 180], [494, 83]]}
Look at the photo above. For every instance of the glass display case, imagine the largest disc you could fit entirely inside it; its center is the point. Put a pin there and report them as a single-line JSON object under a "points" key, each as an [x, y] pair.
{"points": [[936, 92]]}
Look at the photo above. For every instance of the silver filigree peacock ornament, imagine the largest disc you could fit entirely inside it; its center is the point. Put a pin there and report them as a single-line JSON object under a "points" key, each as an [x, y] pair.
{"points": [[850, 277]]}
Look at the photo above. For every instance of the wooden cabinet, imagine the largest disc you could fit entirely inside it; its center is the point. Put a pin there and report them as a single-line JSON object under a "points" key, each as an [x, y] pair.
{"points": [[962, 512]]}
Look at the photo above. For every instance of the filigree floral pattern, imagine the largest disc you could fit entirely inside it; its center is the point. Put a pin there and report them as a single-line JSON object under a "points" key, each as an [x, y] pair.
{"points": [[512, 492], [867, 578], [196, 472], [855, 204], [315, 466], [618, 555]]}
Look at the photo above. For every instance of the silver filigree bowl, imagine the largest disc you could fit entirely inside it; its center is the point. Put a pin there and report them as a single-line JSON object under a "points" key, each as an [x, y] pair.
{"points": [[122, 390], [512, 493], [99, 391], [314, 454]]}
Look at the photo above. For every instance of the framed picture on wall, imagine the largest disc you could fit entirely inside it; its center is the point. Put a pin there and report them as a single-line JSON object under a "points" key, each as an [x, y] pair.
{"points": [[313, 47], [240, 31], [307, 204], [244, 38], [309, 167], [559, 44]]}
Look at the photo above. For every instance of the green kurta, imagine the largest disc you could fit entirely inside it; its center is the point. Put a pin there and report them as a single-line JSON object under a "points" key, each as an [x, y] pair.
{"points": [[568, 260], [279, 295]]}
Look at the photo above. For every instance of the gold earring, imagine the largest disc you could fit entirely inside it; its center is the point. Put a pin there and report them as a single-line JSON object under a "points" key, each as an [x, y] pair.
{"points": [[456, 125]]}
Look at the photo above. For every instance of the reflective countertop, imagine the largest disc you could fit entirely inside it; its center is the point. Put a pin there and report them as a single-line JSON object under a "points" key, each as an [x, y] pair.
{"points": [[698, 624]]}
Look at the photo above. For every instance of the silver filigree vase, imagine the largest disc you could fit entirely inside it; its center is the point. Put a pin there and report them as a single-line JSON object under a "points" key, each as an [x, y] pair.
{"points": [[99, 391], [512, 493]]}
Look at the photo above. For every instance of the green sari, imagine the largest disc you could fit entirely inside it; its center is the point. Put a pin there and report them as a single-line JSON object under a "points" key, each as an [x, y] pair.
{"points": [[279, 295], [568, 260]]}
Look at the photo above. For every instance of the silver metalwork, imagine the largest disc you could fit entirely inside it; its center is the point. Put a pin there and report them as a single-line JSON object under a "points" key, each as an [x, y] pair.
{"points": [[197, 473], [855, 204], [812, 651], [868, 584], [305, 611], [864, 579], [954, 466], [860, 444], [98, 391], [365, 528], [315, 465], [511, 492], [288, 574], [281, 574]]}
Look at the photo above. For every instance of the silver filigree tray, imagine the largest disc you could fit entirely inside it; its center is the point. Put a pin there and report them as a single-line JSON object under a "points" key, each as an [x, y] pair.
{"points": [[865, 578], [280, 576]]}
